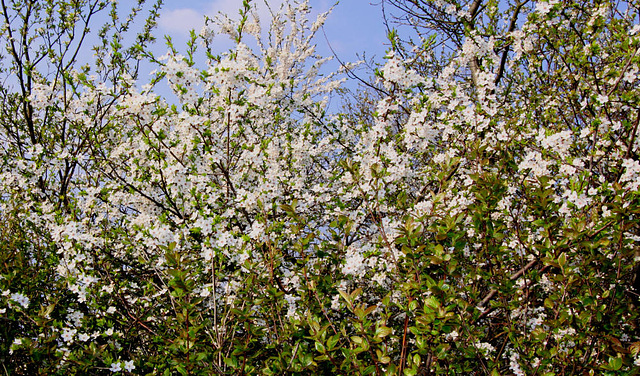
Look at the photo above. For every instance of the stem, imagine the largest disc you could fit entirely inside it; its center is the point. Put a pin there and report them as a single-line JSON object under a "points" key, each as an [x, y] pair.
{"points": [[404, 340]]}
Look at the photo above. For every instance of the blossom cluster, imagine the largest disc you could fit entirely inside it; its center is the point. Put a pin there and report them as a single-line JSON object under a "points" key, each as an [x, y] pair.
{"points": [[475, 217]]}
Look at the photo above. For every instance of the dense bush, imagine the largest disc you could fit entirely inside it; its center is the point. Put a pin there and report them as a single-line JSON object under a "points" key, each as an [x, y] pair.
{"points": [[473, 211]]}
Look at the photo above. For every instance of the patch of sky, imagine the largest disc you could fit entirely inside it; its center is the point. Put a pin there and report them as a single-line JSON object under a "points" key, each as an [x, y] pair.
{"points": [[353, 31]]}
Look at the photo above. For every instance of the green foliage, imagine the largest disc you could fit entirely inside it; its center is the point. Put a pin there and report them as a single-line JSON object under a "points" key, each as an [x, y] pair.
{"points": [[476, 212]]}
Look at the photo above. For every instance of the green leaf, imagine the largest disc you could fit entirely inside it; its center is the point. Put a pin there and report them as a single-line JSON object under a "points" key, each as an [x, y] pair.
{"points": [[346, 297], [370, 309], [383, 331], [548, 303], [180, 368], [411, 371], [47, 311], [332, 341], [562, 260], [231, 362], [615, 363], [369, 370], [432, 302], [306, 360]]}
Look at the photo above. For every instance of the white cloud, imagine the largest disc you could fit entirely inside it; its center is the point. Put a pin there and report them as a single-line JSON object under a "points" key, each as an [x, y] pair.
{"points": [[231, 8], [181, 20]]}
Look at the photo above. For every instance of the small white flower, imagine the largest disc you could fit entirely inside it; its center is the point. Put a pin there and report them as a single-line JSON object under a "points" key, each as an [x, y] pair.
{"points": [[485, 348], [68, 334], [603, 99], [452, 336], [107, 289], [128, 366], [16, 343], [111, 310], [115, 367], [543, 7], [20, 299], [335, 302], [205, 292]]}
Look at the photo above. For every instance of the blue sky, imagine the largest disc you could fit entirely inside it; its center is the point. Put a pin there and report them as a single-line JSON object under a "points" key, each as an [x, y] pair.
{"points": [[354, 26]]}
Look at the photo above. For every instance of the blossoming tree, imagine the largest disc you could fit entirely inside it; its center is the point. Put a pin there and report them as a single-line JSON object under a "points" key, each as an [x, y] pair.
{"points": [[482, 219]]}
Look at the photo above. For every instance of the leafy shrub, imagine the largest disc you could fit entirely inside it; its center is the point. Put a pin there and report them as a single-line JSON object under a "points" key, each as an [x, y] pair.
{"points": [[482, 218]]}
